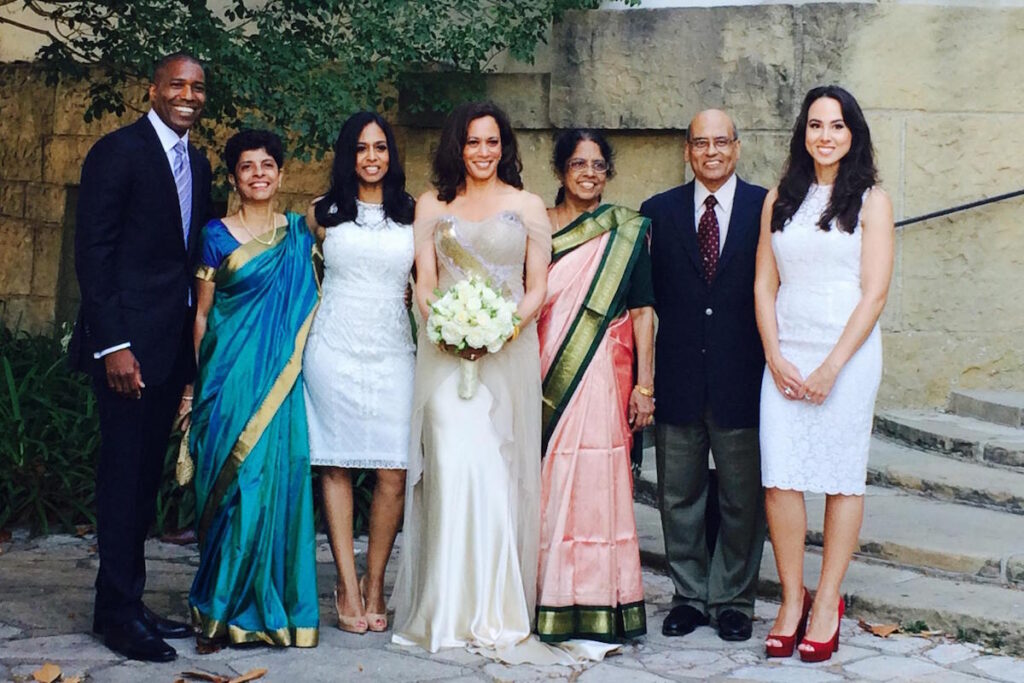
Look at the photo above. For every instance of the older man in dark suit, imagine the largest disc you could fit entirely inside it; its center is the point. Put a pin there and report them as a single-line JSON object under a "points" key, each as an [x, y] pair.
{"points": [[707, 381], [145, 194]]}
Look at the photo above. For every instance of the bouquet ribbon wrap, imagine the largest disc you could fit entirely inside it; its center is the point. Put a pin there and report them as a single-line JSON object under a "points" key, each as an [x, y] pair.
{"points": [[468, 378]]}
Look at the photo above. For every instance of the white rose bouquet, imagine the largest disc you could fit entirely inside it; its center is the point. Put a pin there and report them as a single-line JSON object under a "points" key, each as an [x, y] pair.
{"points": [[471, 315]]}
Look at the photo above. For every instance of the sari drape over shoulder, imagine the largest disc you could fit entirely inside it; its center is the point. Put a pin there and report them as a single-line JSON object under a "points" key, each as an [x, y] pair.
{"points": [[590, 581], [256, 580]]}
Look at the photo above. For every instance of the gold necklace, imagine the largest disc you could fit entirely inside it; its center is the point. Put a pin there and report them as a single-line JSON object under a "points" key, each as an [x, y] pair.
{"points": [[245, 227]]}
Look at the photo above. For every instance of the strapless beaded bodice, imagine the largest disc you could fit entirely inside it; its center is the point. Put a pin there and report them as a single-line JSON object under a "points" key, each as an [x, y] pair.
{"points": [[494, 248]]}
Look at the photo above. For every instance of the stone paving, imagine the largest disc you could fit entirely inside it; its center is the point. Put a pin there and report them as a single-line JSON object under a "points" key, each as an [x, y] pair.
{"points": [[45, 612]]}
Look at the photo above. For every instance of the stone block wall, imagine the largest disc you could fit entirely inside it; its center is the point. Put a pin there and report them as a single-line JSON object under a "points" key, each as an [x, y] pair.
{"points": [[940, 84], [31, 201]]}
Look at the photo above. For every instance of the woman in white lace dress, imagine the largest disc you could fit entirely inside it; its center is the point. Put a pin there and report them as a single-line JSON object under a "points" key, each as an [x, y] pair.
{"points": [[824, 262], [359, 361]]}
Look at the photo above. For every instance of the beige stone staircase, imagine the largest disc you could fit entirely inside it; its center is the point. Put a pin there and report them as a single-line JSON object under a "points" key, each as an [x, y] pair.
{"points": [[943, 535]]}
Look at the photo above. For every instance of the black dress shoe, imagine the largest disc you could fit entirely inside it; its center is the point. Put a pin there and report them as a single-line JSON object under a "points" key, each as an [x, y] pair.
{"points": [[135, 640], [160, 626], [682, 620], [164, 627], [733, 625]]}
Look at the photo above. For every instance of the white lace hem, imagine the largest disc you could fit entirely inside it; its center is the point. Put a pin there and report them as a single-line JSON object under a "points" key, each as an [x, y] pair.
{"points": [[358, 464], [806, 487]]}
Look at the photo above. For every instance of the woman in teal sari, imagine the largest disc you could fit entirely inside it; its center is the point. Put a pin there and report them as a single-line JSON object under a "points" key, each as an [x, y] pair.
{"points": [[254, 506]]}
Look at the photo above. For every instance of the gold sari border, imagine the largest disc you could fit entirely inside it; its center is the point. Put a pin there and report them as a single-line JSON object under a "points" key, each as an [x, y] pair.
{"points": [[205, 272], [216, 630], [238, 258], [255, 427], [604, 624], [596, 311], [582, 231]]}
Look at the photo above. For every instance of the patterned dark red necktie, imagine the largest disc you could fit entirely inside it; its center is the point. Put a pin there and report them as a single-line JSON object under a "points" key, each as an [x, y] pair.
{"points": [[707, 238]]}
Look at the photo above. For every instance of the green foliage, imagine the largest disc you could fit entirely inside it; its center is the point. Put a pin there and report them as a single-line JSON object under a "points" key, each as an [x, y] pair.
{"points": [[49, 442], [49, 435], [299, 66], [915, 627]]}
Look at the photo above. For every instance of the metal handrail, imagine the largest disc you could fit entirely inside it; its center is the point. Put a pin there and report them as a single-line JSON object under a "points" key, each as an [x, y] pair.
{"points": [[960, 207]]}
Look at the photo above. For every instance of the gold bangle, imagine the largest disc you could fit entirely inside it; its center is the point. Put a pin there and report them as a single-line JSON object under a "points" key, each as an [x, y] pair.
{"points": [[515, 332], [644, 391]]}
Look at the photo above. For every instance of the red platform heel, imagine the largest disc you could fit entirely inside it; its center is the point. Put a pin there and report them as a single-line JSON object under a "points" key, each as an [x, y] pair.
{"points": [[788, 643], [821, 652]]}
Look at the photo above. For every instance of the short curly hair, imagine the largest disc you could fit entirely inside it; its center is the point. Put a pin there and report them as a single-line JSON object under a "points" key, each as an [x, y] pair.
{"points": [[249, 139]]}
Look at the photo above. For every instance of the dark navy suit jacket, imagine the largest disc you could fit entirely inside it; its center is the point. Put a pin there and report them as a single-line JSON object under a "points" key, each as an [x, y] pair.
{"points": [[707, 352], [134, 268]]}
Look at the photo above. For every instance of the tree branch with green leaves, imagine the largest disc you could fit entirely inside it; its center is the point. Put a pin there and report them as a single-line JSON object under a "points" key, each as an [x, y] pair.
{"points": [[296, 66]]}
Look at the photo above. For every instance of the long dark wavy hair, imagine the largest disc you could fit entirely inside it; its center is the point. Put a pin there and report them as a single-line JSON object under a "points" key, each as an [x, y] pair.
{"points": [[565, 145], [449, 168], [857, 170], [398, 204]]}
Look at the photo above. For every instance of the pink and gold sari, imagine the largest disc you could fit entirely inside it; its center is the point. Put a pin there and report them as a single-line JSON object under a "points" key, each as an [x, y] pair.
{"points": [[590, 583]]}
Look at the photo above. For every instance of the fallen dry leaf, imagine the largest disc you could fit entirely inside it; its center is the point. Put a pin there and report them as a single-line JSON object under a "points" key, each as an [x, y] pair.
{"points": [[72, 679], [84, 529], [205, 676], [251, 675], [47, 673], [208, 647], [880, 630], [929, 634]]}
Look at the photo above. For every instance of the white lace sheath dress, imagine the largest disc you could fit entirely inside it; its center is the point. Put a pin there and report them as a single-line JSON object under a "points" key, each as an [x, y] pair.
{"points": [[807, 447], [359, 360]]}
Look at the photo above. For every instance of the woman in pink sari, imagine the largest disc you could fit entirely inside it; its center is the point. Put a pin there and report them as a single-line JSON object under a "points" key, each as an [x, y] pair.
{"points": [[597, 311]]}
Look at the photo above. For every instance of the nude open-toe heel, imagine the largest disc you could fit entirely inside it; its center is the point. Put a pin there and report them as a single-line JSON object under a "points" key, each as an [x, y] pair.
{"points": [[356, 624], [376, 622]]}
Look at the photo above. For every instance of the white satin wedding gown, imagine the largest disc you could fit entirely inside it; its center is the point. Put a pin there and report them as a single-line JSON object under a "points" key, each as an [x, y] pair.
{"points": [[468, 570]]}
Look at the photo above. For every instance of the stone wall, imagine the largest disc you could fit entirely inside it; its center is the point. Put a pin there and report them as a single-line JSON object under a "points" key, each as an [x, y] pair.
{"points": [[940, 85]]}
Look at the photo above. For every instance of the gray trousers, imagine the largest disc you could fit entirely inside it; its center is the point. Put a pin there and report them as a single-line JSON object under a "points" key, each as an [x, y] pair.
{"points": [[728, 578]]}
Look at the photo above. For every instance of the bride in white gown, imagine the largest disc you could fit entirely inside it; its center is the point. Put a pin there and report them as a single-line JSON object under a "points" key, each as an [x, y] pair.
{"points": [[468, 569]]}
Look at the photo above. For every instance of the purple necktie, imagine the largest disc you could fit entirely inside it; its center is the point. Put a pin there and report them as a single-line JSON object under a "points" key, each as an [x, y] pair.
{"points": [[183, 181], [707, 238]]}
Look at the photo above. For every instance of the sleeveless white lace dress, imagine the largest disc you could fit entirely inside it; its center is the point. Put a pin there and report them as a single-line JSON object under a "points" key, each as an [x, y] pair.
{"points": [[806, 447], [359, 361]]}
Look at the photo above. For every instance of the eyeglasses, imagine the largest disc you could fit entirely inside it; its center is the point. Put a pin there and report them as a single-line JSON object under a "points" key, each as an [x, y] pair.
{"points": [[598, 166], [702, 144]]}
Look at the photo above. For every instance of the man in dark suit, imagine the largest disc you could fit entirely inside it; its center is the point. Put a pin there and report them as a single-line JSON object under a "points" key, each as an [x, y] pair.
{"points": [[145, 194], [708, 366]]}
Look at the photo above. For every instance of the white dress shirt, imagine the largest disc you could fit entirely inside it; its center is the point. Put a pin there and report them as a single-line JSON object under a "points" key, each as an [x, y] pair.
{"points": [[723, 209], [168, 139]]}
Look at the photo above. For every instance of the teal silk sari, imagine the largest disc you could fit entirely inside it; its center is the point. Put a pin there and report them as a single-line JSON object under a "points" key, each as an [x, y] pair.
{"points": [[256, 580]]}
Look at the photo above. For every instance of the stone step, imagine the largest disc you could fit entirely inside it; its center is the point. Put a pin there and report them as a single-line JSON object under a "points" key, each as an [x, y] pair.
{"points": [[894, 465], [882, 593], [954, 435], [915, 531], [1001, 407]]}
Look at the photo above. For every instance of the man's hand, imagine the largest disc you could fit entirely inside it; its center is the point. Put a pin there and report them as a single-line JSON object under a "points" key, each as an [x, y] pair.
{"points": [[124, 376]]}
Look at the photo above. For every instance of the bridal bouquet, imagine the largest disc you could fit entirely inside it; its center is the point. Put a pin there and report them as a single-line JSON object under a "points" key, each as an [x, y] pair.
{"points": [[471, 314]]}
